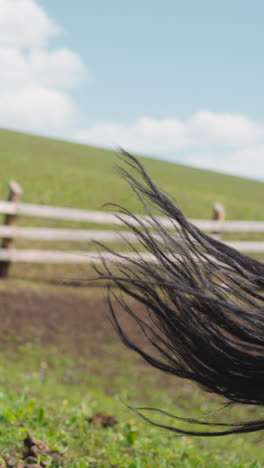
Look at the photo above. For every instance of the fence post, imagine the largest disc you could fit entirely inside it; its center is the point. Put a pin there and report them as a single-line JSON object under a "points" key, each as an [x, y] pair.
{"points": [[15, 194], [218, 215]]}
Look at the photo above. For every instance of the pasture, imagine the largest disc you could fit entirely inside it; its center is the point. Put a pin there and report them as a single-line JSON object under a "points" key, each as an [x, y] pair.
{"points": [[54, 172], [61, 362]]}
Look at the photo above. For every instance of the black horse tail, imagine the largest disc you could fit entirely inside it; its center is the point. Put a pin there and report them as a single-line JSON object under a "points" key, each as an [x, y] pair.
{"points": [[204, 301]]}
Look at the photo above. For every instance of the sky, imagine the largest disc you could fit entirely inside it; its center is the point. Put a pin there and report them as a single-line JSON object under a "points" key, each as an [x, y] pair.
{"points": [[180, 81]]}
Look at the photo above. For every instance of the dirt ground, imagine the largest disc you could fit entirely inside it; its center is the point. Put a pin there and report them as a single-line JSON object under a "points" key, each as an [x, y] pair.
{"points": [[78, 322], [74, 322]]}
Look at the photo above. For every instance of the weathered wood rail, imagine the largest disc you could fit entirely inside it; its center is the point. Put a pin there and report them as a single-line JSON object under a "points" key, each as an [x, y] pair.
{"points": [[14, 208], [100, 217]]}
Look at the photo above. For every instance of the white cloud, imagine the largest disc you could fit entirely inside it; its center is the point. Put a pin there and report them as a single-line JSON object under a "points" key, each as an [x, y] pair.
{"points": [[201, 130], [198, 141], [145, 135], [60, 68], [32, 76], [247, 162], [35, 108], [224, 129], [23, 23]]}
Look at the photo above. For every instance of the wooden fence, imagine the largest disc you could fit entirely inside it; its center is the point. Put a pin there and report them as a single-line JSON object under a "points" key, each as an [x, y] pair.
{"points": [[14, 208]]}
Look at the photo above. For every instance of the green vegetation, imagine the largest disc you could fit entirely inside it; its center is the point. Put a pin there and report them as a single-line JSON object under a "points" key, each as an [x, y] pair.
{"points": [[49, 390], [52, 396], [54, 172]]}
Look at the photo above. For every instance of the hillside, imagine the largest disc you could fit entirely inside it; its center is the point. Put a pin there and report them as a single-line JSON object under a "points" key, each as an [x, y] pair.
{"points": [[67, 174], [61, 360]]}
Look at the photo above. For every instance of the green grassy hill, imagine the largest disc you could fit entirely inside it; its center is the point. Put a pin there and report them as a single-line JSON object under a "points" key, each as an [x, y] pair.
{"points": [[59, 173], [59, 362]]}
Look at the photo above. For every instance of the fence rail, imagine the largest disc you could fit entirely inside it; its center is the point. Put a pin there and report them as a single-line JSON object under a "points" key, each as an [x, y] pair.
{"points": [[55, 256], [72, 235], [66, 257], [100, 217], [14, 208]]}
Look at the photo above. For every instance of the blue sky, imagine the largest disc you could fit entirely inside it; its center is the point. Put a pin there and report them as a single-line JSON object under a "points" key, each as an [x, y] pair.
{"points": [[166, 58], [175, 80]]}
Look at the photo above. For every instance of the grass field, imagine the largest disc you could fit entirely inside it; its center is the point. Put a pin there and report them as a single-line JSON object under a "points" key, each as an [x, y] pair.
{"points": [[61, 363], [52, 384], [44, 395], [65, 174]]}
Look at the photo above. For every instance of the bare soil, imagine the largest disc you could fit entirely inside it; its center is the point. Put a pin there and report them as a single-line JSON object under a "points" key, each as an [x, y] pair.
{"points": [[74, 321]]}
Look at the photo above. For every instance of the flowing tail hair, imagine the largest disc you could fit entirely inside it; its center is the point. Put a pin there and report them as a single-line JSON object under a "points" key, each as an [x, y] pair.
{"points": [[204, 301]]}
